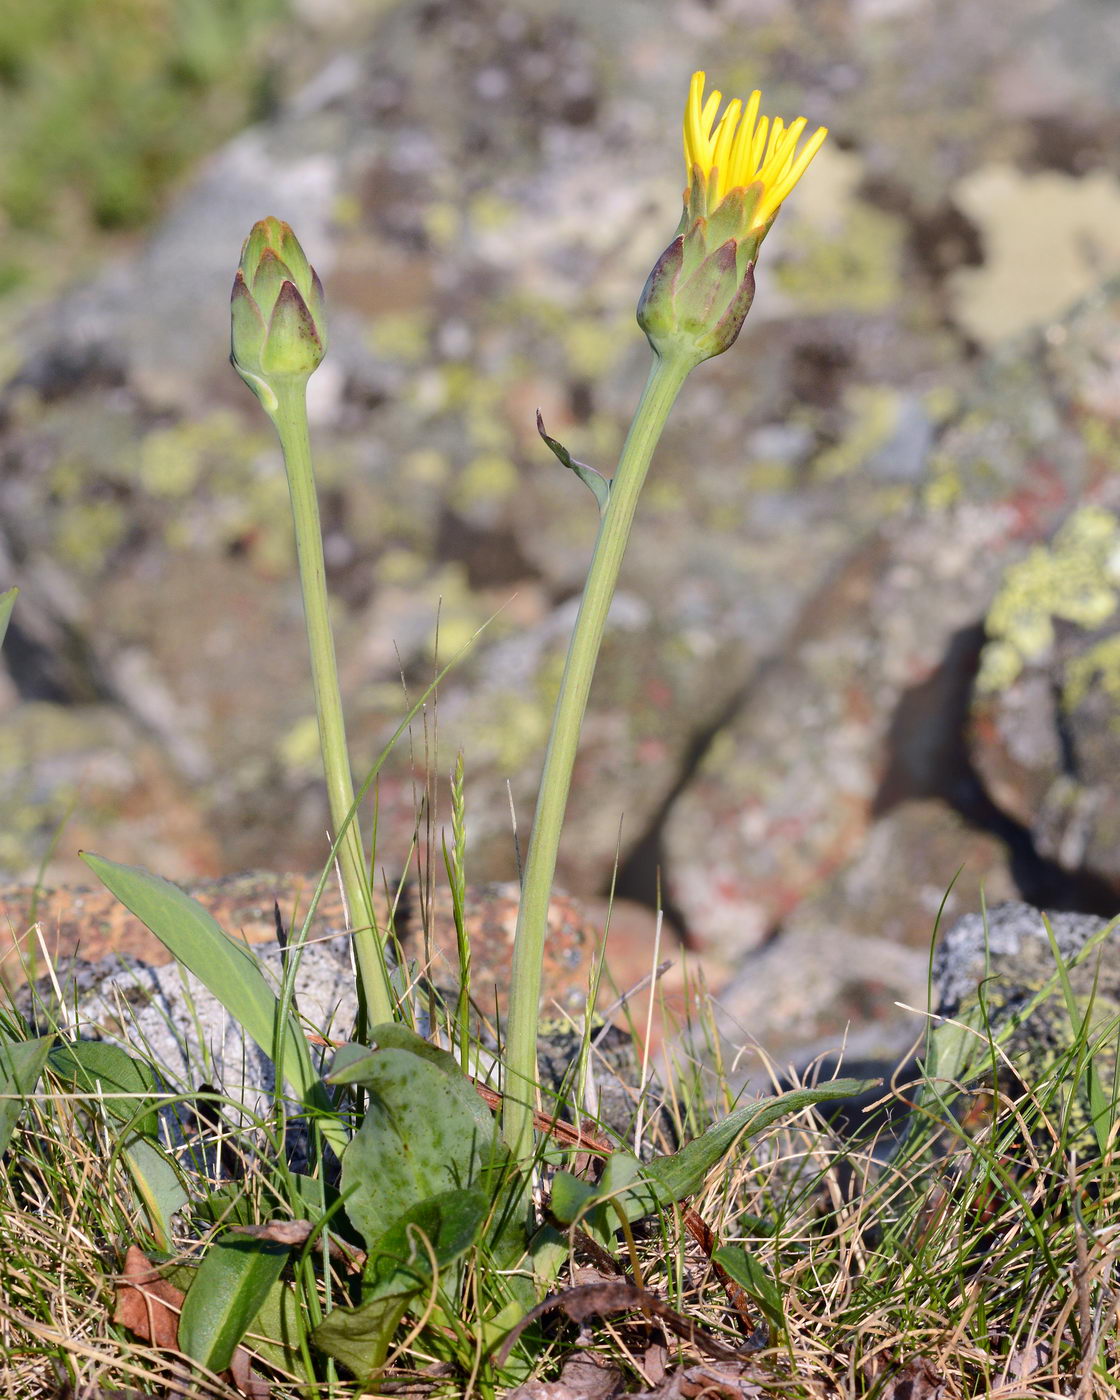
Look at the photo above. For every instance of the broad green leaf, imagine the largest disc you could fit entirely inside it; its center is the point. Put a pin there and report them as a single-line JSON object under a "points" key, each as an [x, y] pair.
{"points": [[547, 1254], [399, 1263], [21, 1064], [126, 1086], [158, 1184], [361, 1337], [755, 1280], [425, 1132], [275, 1331], [7, 601], [571, 1196], [226, 968], [230, 1286], [350, 1061], [597, 1206], [505, 1241], [399, 1275]]}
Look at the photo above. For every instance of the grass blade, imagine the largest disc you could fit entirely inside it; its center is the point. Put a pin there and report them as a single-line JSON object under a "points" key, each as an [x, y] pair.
{"points": [[7, 601]]}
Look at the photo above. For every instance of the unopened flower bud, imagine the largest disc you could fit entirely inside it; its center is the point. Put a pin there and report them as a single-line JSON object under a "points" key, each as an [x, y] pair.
{"points": [[279, 328], [739, 172]]}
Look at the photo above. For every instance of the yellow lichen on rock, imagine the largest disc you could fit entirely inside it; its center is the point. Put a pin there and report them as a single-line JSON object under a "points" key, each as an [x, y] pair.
{"points": [[1075, 579]]}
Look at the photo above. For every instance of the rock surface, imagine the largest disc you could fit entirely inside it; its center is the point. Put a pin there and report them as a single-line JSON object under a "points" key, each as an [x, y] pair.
{"points": [[1007, 953], [786, 733], [155, 1007]]}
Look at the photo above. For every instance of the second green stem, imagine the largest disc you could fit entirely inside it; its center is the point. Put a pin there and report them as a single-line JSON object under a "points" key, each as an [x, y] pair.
{"points": [[658, 397]]}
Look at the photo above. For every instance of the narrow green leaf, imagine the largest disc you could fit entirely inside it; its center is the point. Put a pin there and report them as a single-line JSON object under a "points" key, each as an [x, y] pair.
{"points": [[21, 1064], [595, 481], [158, 1184], [7, 602], [672, 1178], [1100, 1106], [226, 968], [640, 1189], [755, 1280], [229, 1288]]}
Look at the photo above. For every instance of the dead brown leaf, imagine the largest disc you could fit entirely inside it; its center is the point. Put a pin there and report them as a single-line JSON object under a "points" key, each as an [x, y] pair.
{"points": [[706, 1383], [584, 1376], [1028, 1362], [737, 1296], [146, 1303], [916, 1379], [296, 1233], [598, 1299]]}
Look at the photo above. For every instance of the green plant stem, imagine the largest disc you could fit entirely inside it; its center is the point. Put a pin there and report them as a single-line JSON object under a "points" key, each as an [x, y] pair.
{"points": [[290, 418], [664, 383]]}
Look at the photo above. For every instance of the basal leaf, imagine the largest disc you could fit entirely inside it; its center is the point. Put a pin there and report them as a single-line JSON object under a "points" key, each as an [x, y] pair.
{"points": [[425, 1132], [755, 1280], [21, 1064], [672, 1178], [360, 1338], [229, 1288], [157, 1183], [124, 1085], [399, 1262], [226, 968], [640, 1189]]}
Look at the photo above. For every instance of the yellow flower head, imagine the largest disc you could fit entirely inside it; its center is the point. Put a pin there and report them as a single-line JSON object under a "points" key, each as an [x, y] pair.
{"points": [[743, 149], [740, 168]]}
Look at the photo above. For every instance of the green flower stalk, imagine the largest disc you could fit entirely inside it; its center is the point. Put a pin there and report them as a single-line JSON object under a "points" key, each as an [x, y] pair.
{"points": [[278, 340], [693, 307]]}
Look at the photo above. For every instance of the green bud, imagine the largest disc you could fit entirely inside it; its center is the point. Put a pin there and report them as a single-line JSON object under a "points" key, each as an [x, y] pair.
{"points": [[697, 297], [278, 324]]}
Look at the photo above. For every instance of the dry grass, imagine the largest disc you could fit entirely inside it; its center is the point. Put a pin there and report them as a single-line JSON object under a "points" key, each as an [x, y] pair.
{"points": [[976, 1259]]}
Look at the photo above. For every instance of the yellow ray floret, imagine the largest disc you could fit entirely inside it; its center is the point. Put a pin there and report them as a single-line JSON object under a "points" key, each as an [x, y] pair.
{"points": [[744, 149]]}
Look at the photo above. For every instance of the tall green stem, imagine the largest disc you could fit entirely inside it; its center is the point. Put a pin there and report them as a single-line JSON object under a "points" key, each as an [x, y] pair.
{"points": [[658, 397], [290, 418]]}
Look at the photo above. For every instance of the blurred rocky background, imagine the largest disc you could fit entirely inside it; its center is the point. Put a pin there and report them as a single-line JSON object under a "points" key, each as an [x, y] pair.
{"points": [[865, 656]]}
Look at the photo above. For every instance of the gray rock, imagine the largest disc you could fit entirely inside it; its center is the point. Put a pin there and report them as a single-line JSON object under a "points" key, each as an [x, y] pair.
{"points": [[1009, 949], [166, 1015], [997, 974], [839, 969]]}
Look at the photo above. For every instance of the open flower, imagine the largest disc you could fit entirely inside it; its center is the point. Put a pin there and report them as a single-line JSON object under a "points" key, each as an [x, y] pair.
{"points": [[279, 327], [740, 169]]}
